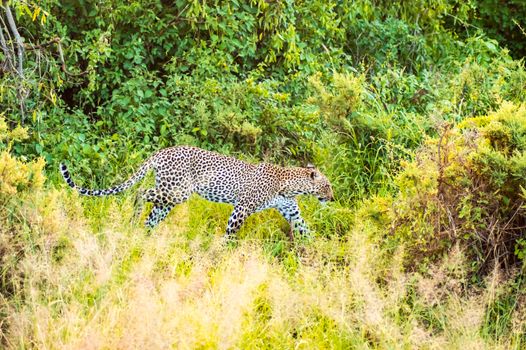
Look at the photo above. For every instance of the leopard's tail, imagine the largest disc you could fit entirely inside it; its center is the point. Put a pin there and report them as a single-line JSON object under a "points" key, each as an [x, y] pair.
{"points": [[110, 191]]}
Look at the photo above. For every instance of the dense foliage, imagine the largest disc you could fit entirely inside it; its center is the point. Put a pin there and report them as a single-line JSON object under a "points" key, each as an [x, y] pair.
{"points": [[236, 76], [416, 111], [504, 21]]}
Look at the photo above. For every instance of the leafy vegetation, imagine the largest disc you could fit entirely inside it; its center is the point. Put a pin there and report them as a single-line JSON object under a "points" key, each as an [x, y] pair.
{"points": [[418, 117], [502, 21], [467, 186]]}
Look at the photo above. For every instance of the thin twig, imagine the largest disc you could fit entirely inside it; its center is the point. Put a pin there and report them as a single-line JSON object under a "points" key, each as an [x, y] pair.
{"points": [[64, 68]]}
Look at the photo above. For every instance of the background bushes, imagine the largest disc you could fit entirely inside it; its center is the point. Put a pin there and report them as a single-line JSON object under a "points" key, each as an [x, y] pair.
{"points": [[415, 110]]}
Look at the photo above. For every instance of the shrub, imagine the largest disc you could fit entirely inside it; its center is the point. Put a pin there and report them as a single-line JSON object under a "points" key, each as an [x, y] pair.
{"points": [[467, 185], [16, 175], [362, 141]]}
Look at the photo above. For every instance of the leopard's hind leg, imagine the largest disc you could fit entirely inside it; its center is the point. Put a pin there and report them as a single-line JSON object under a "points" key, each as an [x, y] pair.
{"points": [[158, 214], [143, 196], [170, 189], [163, 202]]}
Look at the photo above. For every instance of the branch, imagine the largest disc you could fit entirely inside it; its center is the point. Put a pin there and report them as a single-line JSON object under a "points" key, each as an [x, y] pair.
{"points": [[57, 41], [41, 46], [18, 38], [5, 49], [518, 25]]}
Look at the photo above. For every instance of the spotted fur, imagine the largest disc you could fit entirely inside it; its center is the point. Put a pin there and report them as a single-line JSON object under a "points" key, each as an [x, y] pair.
{"points": [[183, 170]]}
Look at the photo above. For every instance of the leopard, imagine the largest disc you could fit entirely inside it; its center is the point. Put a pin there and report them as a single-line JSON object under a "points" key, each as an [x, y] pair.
{"points": [[181, 171]]}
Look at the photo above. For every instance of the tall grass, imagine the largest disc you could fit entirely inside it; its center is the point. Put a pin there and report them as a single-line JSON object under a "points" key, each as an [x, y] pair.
{"points": [[84, 275]]}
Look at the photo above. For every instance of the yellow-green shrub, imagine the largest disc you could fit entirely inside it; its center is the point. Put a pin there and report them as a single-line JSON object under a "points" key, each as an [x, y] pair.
{"points": [[17, 175], [466, 185]]}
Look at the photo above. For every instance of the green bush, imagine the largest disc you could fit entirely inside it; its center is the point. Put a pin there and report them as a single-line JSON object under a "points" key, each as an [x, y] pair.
{"points": [[146, 75], [503, 21], [467, 186]]}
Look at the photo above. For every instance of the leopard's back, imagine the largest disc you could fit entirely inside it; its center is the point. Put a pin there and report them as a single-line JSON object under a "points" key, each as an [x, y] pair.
{"points": [[213, 176]]}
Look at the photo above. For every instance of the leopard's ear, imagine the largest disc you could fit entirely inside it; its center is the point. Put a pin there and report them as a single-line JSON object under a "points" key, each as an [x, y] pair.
{"points": [[313, 172]]}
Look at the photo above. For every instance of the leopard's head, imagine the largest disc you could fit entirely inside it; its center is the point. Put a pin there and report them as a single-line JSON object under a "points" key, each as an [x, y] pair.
{"points": [[306, 180], [319, 185]]}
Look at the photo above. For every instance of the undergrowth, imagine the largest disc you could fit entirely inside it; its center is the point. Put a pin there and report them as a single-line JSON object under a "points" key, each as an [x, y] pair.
{"points": [[81, 280]]}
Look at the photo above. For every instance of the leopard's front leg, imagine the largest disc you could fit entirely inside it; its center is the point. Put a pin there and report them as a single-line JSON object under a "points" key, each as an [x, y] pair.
{"points": [[288, 207]]}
